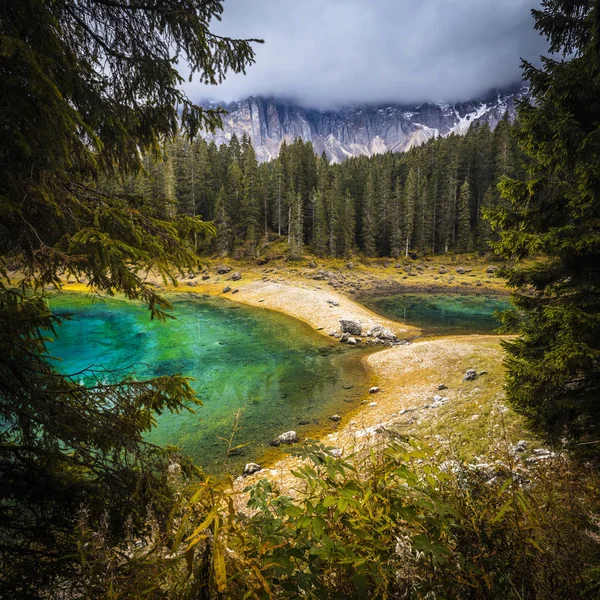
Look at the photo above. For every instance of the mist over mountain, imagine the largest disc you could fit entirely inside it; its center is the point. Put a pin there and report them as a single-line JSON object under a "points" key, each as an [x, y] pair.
{"points": [[359, 130]]}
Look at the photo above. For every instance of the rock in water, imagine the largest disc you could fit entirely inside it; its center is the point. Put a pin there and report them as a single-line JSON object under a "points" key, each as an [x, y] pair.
{"points": [[471, 375], [335, 418], [289, 437], [252, 468], [223, 269], [351, 327]]}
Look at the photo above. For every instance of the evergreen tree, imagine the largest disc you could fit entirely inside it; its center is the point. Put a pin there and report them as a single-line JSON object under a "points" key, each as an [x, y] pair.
{"points": [[296, 224], [88, 87], [396, 240], [369, 218], [553, 367], [463, 242], [223, 241], [250, 208], [411, 198]]}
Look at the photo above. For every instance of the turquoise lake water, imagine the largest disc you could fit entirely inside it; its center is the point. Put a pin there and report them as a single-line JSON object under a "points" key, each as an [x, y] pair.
{"points": [[442, 314], [281, 374]]}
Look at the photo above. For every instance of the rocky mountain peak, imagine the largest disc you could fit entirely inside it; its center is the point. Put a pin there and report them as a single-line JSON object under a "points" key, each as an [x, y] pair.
{"points": [[360, 130]]}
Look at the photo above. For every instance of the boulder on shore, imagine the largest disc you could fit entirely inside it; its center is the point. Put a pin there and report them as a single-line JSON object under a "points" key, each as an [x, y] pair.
{"points": [[289, 437], [226, 289], [351, 327], [471, 375], [236, 276], [252, 468], [383, 333], [223, 269]]}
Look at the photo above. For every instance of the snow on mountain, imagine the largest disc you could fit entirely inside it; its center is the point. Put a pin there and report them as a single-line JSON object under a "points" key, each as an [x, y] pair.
{"points": [[360, 130]]}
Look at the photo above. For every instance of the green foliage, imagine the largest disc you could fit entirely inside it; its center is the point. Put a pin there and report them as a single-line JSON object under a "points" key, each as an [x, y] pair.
{"points": [[90, 94], [554, 214], [388, 522]]}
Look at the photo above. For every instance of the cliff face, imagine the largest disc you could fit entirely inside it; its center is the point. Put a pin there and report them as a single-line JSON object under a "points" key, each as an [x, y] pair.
{"points": [[364, 130]]}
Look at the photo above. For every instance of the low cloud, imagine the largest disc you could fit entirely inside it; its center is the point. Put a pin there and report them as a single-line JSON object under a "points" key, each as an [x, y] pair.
{"points": [[328, 53]]}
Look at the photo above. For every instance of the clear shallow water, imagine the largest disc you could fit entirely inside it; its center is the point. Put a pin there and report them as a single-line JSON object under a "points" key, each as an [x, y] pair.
{"points": [[276, 370], [442, 314]]}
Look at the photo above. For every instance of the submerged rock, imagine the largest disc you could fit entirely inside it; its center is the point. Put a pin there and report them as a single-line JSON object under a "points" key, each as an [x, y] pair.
{"points": [[289, 437]]}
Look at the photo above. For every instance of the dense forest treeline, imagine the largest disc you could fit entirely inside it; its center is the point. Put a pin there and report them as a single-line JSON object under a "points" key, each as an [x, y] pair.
{"points": [[431, 199]]}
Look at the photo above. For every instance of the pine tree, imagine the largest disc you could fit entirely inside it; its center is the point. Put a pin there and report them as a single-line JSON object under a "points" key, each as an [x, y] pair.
{"points": [[411, 193], [369, 219], [250, 208], [319, 239], [296, 224], [396, 239], [553, 367], [463, 241], [347, 224], [88, 88], [223, 241]]}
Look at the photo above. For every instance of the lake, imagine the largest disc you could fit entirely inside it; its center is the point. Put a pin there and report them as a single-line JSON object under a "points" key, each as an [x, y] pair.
{"points": [[279, 372], [438, 314]]}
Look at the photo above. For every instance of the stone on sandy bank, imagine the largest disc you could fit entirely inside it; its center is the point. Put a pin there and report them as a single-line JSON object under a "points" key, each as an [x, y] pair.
{"points": [[252, 468], [223, 269], [382, 333], [226, 289], [335, 418], [289, 437], [471, 375], [374, 390], [352, 341], [333, 302], [205, 277], [442, 386], [351, 327], [262, 261], [236, 276]]}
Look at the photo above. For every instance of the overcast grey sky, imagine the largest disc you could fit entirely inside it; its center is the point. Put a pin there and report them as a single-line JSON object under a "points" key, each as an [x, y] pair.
{"points": [[326, 53]]}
